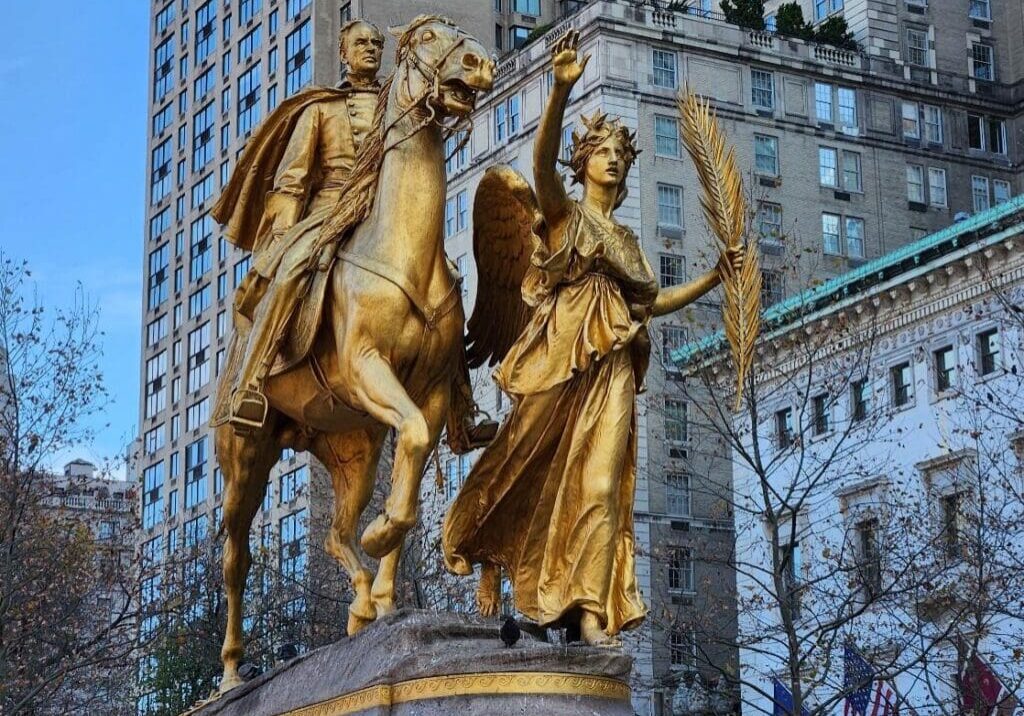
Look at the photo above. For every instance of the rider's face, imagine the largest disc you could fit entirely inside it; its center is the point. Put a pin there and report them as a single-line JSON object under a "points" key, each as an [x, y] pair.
{"points": [[363, 48]]}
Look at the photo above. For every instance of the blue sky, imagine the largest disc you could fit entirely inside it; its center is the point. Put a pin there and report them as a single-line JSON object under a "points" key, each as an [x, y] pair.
{"points": [[73, 122]]}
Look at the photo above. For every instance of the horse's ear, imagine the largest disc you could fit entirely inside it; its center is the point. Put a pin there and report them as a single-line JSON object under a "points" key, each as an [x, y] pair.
{"points": [[398, 30]]}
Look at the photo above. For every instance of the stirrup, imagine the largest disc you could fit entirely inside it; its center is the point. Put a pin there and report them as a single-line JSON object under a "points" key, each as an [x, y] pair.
{"points": [[248, 410]]}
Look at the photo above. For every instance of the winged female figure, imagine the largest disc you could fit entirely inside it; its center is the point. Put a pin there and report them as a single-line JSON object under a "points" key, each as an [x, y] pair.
{"points": [[564, 301]]}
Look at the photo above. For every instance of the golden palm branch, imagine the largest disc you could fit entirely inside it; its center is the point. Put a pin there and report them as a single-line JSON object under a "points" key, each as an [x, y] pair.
{"points": [[725, 209]]}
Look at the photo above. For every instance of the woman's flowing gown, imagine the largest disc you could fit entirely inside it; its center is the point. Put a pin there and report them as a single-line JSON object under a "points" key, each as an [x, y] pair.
{"points": [[551, 499]]}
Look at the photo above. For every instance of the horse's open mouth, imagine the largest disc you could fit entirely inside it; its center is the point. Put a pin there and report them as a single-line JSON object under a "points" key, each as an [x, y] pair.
{"points": [[461, 93]]}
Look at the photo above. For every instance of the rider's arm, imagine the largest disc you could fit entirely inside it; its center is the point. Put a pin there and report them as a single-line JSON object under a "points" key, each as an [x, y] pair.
{"points": [[291, 184]]}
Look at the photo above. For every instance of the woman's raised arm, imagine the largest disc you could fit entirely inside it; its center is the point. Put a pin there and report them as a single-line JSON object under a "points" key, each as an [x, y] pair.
{"points": [[554, 202]]}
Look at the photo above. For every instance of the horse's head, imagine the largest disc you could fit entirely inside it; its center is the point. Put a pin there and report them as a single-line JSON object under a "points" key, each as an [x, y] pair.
{"points": [[451, 66]]}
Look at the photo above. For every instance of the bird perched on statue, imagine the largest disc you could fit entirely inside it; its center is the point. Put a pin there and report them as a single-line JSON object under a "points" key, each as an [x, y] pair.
{"points": [[510, 631]]}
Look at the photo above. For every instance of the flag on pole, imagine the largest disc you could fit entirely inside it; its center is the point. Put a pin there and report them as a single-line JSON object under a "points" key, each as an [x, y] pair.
{"points": [[981, 691], [784, 701], [865, 694]]}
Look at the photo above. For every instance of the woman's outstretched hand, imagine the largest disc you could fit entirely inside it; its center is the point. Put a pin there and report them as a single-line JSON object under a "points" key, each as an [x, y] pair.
{"points": [[565, 59]]}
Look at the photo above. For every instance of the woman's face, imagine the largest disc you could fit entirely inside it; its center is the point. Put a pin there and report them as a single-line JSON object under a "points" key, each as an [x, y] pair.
{"points": [[607, 165]]}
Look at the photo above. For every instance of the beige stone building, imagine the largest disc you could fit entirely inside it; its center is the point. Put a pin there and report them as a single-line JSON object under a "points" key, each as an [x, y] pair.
{"points": [[848, 155]]}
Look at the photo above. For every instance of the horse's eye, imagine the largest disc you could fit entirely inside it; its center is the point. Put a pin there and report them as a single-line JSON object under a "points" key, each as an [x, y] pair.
{"points": [[427, 36]]}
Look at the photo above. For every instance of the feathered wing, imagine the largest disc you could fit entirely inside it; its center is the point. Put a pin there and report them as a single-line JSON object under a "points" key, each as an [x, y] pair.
{"points": [[504, 212], [726, 211]]}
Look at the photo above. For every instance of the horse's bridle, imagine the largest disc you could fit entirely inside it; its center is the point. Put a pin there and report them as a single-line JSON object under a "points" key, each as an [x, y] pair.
{"points": [[431, 73]]}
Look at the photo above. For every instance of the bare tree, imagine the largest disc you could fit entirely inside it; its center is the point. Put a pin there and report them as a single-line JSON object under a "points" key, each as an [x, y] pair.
{"points": [[66, 605]]}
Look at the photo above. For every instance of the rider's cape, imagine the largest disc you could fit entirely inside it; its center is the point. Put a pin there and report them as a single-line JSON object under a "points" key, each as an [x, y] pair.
{"points": [[241, 205]]}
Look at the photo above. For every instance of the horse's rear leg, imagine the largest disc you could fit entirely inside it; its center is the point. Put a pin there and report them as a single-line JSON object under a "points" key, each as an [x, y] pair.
{"points": [[351, 459], [382, 395], [246, 462]]}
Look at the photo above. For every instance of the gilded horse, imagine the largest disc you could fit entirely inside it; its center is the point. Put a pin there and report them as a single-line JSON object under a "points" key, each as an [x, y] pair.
{"points": [[389, 336]]}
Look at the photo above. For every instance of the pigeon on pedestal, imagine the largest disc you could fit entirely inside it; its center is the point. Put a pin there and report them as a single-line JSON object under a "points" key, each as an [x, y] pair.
{"points": [[510, 631]]}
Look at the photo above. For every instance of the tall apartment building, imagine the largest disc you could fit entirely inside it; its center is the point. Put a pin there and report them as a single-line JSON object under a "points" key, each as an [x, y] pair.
{"points": [[848, 155]]}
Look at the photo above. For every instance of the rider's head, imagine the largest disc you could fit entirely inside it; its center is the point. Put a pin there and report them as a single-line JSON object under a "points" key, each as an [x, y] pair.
{"points": [[603, 154], [361, 46]]}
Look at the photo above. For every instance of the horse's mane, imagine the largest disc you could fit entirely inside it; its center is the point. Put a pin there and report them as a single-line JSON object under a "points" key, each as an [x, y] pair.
{"points": [[359, 190]]}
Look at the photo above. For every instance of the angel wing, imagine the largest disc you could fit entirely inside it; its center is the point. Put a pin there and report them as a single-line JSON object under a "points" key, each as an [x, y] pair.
{"points": [[504, 212]]}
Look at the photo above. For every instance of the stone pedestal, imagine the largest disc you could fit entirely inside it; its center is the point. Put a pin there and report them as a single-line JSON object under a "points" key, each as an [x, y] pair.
{"points": [[416, 663]]}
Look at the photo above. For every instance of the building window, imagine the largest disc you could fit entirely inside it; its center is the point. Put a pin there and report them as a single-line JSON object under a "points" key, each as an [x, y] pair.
{"points": [[820, 414], [860, 399], [199, 357], [682, 648], [202, 136], [869, 559], [936, 186], [163, 119], [784, 428], [671, 270], [163, 69], [152, 498], [506, 119], [295, 7], [932, 117], [195, 472], [462, 210], [915, 183], [851, 171], [854, 237], [680, 570], [449, 217], [824, 8], [197, 414], [250, 43], [979, 193], [158, 276], [677, 489], [517, 35], [769, 220], [766, 155], [156, 384], [827, 166], [156, 331], [762, 89], [200, 245], [199, 301], [791, 568], [901, 379], [202, 190], [675, 420], [248, 9], [666, 136], [526, 7], [988, 351], [670, 205], [672, 338], [986, 134], [830, 236], [982, 63], [917, 47], [293, 483], [911, 121], [299, 60], [823, 102], [271, 98], [664, 63], [206, 30], [847, 107], [1000, 191], [773, 287], [292, 556], [945, 368], [241, 270], [160, 174], [980, 9], [249, 99], [165, 17]]}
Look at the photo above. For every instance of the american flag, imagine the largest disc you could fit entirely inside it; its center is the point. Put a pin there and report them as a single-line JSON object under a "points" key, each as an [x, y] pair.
{"points": [[866, 695]]}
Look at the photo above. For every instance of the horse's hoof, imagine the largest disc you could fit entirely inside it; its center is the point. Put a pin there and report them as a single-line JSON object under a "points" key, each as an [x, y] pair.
{"points": [[382, 536], [230, 681], [357, 623]]}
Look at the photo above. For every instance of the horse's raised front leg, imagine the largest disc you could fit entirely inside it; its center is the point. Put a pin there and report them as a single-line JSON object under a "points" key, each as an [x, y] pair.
{"points": [[435, 412], [246, 462], [351, 459], [381, 394]]}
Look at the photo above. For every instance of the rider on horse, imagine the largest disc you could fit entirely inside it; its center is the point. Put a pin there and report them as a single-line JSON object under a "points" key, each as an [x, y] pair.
{"points": [[288, 182]]}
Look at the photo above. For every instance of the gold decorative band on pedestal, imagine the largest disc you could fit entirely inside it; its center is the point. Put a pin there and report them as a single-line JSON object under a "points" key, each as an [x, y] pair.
{"points": [[439, 687]]}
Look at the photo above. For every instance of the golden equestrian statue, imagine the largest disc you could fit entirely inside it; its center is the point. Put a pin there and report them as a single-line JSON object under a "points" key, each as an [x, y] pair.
{"points": [[376, 341], [565, 298]]}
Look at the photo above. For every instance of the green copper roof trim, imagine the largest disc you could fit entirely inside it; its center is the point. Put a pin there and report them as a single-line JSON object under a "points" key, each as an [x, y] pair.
{"points": [[891, 264]]}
